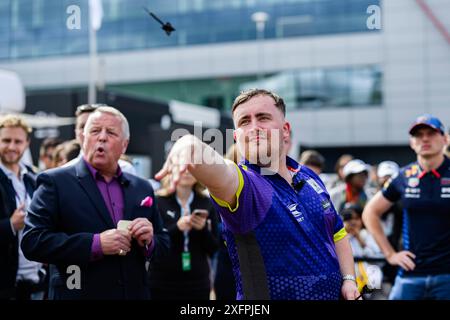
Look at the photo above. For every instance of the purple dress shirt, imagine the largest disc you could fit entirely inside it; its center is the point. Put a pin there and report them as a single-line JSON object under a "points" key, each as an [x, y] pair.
{"points": [[113, 196]]}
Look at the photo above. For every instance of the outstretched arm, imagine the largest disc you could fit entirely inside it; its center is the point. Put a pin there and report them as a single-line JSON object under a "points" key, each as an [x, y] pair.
{"points": [[220, 176]]}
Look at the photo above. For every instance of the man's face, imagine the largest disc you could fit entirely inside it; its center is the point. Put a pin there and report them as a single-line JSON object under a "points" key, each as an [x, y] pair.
{"points": [[261, 130], [104, 142], [427, 142], [79, 126], [13, 143]]}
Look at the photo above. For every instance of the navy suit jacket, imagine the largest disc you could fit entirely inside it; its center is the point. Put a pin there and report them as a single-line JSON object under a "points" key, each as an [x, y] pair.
{"points": [[9, 244], [66, 211]]}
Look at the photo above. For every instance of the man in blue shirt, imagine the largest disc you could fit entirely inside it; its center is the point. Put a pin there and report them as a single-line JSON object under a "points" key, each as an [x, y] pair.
{"points": [[285, 239], [424, 189]]}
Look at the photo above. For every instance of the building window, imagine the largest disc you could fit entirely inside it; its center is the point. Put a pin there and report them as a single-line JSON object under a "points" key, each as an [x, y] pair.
{"points": [[214, 101], [196, 21], [325, 87]]}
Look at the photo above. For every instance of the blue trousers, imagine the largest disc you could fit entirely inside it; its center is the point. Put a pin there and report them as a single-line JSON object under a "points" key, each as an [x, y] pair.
{"points": [[432, 287]]}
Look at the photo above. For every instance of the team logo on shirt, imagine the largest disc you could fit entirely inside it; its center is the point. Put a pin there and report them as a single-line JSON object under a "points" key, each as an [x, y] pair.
{"points": [[413, 182], [297, 214], [412, 193], [445, 182], [315, 186], [414, 170]]}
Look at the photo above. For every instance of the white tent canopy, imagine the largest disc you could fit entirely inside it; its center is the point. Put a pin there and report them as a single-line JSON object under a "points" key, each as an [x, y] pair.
{"points": [[12, 94], [12, 100]]}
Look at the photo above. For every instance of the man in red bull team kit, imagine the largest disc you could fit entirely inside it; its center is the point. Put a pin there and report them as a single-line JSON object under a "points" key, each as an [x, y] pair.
{"points": [[424, 189]]}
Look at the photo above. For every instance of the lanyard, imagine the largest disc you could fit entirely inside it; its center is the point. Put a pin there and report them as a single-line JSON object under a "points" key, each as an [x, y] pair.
{"points": [[185, 212]]}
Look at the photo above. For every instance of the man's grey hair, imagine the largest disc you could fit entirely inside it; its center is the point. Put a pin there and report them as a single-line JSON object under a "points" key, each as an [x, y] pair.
{"points": [[114, 112]]}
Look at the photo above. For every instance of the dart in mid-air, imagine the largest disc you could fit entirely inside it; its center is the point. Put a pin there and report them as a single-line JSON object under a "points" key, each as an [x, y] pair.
{"points": [[167, 27]]}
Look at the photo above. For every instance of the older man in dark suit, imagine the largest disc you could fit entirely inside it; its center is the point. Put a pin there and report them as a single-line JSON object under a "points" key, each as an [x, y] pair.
{"points": [[73, 220]]}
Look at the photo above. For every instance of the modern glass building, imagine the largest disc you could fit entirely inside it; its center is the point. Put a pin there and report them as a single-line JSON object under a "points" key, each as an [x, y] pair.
{"points": [[39, 28], [46, 28]]}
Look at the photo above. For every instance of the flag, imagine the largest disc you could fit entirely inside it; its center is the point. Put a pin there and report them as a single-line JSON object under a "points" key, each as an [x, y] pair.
{"points": [[96, 13]]}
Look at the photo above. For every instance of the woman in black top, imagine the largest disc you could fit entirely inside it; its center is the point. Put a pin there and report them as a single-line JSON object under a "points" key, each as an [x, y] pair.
{"points": [[192, 224]]}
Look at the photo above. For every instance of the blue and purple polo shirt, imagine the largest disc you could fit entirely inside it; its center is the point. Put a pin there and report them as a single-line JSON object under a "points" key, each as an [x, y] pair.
{"points": [[281, 239]]}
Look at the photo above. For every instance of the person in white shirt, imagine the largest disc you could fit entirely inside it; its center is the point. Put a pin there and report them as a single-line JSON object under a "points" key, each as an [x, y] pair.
{"points": [[20, 278]]}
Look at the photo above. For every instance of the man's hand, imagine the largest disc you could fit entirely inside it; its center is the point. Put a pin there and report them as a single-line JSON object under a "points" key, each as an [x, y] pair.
{"points": [[18, 218], [218, 175], [141, 229], [184, 224], [115, 241], [349, 290], [198, 222], [187, 149], [404, 259]]}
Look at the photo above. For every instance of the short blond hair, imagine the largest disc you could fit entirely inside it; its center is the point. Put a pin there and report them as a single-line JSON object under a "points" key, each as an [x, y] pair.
{"points": [[244, 96], [14, 121]]}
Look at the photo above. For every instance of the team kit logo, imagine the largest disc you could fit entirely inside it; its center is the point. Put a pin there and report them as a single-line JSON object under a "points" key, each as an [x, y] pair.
{"points": [[412, 191], [298, 215], [413, 182]]}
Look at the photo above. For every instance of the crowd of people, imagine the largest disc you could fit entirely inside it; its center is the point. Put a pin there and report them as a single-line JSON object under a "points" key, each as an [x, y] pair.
{"points": [[222, 229]]}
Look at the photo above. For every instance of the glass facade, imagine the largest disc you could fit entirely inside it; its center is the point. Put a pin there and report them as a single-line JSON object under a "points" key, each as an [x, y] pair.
{"points": [[217, 93], [38, 28], [352, 86], [325, 87]]}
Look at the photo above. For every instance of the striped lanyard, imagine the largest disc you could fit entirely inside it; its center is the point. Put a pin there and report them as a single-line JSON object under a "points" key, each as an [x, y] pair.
{"points": [[185, 211]]}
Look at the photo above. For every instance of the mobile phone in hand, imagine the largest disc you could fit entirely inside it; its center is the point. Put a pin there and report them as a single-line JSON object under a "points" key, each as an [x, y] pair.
{"points": [[201, 212]]}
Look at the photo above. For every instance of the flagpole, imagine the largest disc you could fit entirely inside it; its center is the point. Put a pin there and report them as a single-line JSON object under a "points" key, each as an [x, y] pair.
{"points": [[92, 91], [92, 94]]}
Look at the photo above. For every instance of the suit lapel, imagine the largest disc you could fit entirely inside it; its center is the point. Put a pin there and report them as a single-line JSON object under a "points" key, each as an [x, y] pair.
{"points": [[129, 198], [90, 187], [8, 189]]}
